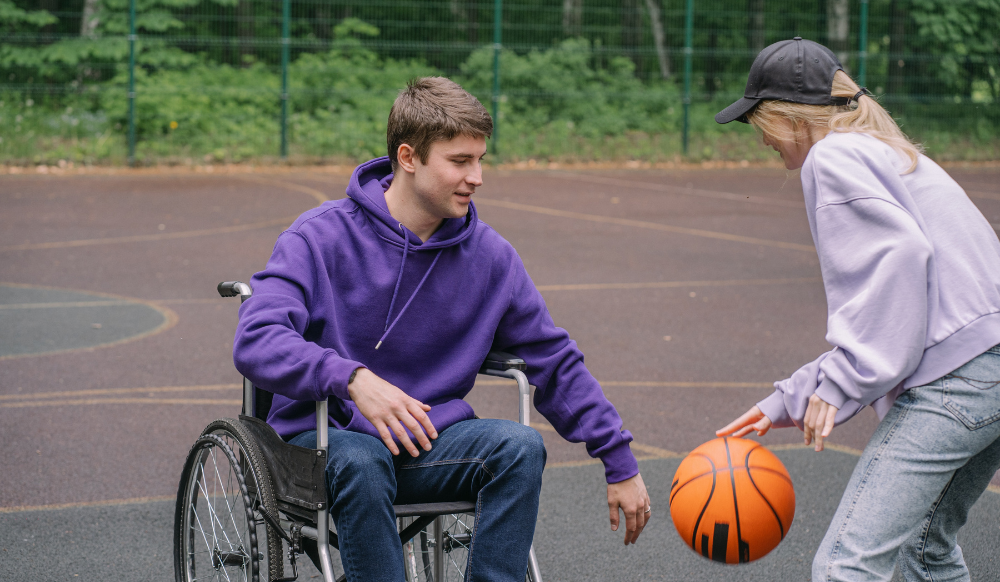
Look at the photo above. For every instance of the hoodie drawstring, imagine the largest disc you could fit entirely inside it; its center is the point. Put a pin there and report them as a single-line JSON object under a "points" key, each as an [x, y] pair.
{"points": [[399, 279]]}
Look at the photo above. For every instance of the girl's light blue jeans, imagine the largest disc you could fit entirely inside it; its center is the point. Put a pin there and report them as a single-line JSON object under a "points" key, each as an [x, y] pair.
{"points": [[928, 462]]}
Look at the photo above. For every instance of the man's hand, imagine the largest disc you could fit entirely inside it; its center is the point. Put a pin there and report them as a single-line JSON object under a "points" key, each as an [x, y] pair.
{"points": [[389, 408], [629, 495], [818, 422], [752, 420]]}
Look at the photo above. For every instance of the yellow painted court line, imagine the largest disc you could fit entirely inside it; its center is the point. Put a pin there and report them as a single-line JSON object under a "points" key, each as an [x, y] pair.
{"points": [[677, 284], [316, 194], [104, 503], [629, 384], [150, 237], [643, 384], [115, 391], [105, 401], [65, 304], [696, 192], [644, 224], [170, 319]]}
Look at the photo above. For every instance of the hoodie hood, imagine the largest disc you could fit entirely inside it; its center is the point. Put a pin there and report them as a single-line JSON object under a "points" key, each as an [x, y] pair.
{"points": [[367, 188]]}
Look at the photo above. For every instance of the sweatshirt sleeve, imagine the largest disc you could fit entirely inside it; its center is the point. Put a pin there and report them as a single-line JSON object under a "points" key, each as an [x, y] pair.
{"points": [[875, 261], [270, 348], [566, 393]]}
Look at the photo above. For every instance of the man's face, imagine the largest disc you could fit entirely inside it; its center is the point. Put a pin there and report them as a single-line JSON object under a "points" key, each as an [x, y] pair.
{"points": [[444, 185]]}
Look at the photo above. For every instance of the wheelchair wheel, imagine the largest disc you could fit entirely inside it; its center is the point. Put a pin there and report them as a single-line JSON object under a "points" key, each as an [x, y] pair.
{"points": [[218, 531], [450, 547]]}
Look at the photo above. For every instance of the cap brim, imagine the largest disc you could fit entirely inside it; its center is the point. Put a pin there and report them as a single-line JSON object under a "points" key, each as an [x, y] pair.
{"points": [[737, 111]]}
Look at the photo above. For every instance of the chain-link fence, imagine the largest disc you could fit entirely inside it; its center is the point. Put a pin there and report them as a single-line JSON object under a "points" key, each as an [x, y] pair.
{"points": [[212, 80]]}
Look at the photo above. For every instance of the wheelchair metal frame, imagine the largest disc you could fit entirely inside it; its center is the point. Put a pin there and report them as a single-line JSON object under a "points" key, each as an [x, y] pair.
{"points": [[497, 364]]}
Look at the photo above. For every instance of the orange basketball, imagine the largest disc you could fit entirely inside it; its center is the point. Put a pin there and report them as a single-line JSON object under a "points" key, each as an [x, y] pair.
{"points": [[732, 500]]}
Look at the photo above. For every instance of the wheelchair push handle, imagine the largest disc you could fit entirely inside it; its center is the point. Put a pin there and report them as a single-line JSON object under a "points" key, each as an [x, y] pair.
{"points": [[234, 288]]}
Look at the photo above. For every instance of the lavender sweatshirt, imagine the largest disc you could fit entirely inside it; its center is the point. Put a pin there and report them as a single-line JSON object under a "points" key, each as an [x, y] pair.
{"points": [[912, 276], [347, 276]]}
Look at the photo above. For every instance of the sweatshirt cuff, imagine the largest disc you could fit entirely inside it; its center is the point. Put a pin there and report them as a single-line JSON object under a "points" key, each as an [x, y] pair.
{"points": [[832, 394], [774, 409], [334, 374], [619, 463]]}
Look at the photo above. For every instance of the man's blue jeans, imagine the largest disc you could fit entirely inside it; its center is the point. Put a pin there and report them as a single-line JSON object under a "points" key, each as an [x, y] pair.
{"points": [[495, 463], [928, 462]]}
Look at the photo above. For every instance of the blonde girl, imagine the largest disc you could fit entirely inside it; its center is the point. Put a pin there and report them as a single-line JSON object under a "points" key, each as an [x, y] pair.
{"points": [[911, 270]]}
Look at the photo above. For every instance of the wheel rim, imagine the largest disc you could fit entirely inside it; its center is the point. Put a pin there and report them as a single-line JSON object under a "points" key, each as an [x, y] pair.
{"points": [[220, 536]]}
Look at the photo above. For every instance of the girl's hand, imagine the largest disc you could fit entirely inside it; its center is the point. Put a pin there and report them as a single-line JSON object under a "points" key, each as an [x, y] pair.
{"points": [[818, 422], [752, 420]]}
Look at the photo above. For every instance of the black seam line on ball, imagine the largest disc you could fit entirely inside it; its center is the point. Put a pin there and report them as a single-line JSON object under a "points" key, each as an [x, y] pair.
{"points": [[704, 508], [777, 518]]}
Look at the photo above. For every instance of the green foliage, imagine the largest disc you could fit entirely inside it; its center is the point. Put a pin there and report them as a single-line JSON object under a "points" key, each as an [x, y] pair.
{"points": [[963, 34], [208, 81]]}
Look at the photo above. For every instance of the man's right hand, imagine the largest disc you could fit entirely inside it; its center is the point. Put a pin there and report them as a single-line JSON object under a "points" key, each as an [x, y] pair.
{"points": [[390, 409]]}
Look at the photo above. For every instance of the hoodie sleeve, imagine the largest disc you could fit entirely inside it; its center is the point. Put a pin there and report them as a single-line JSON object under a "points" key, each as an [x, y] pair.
{"points": [[269, 348], [566, 393], [875, 261]]}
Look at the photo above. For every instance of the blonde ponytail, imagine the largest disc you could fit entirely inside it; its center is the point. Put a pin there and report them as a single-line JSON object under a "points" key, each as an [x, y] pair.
{"points": [[865, 116]]}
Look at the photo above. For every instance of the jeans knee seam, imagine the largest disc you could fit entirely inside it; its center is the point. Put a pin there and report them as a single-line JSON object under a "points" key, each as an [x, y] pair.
{"points": [[861, 487], [440, 463]]}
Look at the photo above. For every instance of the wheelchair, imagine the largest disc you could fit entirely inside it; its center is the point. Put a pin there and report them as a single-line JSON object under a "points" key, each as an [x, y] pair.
{"points": [[247, 500]]}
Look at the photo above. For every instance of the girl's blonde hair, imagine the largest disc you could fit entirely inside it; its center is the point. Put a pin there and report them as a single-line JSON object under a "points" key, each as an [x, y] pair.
{"points": [[864, 116]]}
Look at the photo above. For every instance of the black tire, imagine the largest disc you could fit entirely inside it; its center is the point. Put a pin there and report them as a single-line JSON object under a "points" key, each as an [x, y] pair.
{"points": [[218, 531]]}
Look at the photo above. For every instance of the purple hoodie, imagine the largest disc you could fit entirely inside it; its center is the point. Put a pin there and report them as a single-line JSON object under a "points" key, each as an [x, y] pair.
{"points": [[347, 277]]}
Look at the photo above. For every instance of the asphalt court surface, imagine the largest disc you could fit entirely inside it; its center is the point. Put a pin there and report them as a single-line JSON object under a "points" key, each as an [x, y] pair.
{"points": [[689, 291]]}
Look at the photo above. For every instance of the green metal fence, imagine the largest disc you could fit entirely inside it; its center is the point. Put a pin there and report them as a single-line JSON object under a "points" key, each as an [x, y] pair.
{"points": [[212, 80]]}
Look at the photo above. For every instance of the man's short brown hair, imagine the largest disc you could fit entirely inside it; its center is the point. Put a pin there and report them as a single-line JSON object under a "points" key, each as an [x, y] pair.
{"points": [[434, 109]]}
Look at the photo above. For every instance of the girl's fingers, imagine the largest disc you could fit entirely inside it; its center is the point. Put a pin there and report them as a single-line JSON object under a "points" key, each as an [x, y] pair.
{"points": [[831, 417], [749, 417]]}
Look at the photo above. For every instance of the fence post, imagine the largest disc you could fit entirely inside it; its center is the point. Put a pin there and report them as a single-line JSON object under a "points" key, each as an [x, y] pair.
{"points": [[688, 50], [497, 39], [286, 11], [131, 82], [863, 43]]}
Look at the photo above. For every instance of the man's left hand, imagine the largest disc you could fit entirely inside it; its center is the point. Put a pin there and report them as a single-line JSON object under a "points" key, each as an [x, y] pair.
{"points": [[630, 496]]}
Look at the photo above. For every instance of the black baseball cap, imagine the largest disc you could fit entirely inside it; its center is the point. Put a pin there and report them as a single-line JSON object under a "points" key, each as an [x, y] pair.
{"points": [[796, 70]]}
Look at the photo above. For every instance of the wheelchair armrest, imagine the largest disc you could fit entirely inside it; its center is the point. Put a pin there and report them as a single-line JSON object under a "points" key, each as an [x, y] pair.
{"points": [[502, 361]]}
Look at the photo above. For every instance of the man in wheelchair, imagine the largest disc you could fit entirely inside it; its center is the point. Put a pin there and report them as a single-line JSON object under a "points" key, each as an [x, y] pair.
{"points": [[386, 303]]}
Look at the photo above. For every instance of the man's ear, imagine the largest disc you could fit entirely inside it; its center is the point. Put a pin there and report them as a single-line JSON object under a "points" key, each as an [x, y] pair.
{"points": [[406, 158]]}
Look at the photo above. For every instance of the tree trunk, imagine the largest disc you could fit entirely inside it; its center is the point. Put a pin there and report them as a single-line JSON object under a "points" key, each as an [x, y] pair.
{"points": [[89, 20], [710, 63], [245, 30], [631, 21], [466, 14], [659, 38], [323, 27], [572, 17], [473, 12], [838, 28], [897, 48], [50, 6], [756, 34]]}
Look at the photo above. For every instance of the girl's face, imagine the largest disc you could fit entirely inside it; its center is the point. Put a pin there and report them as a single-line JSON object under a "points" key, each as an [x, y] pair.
{"points": [[793, 145]]}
